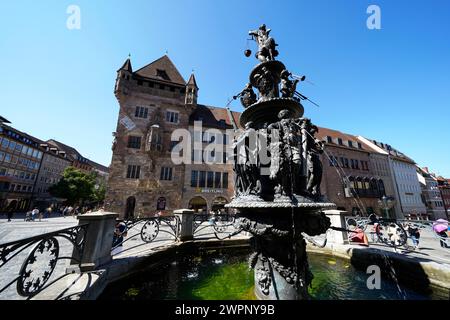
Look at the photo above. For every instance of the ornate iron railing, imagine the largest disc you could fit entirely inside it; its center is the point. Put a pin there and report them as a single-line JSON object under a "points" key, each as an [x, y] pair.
{"points": [[380, 234], [37, 266], [148, 230], [219, 225]]}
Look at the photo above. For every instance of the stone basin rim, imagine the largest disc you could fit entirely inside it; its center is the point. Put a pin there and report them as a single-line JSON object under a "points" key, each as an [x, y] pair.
{"points": [[269, 204]]}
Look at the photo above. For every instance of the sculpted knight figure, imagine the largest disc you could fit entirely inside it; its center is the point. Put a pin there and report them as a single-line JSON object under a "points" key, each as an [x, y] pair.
{"points": [[288, 86], [265, 84], [266, 44], [246, 163], [314, 164], [286, 164], [248, 96]]}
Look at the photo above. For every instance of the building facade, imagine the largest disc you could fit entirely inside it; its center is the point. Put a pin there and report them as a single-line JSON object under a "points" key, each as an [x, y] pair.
{"points": [[444, 188], [29, 166], [354, 177], [154, 101], [431, 196], [407, 186], [53, 164], [20, 159]]}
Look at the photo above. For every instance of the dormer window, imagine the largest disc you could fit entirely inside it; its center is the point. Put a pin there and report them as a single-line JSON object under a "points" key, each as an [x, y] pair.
{"points": [[162, 74], [350, 144], [329, 139], [340, 142]]}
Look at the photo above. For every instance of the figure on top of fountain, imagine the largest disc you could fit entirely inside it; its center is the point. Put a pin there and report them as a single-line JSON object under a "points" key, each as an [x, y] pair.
{"points": [[266, 44], [288, 86], [248, 96], [266, 84]]}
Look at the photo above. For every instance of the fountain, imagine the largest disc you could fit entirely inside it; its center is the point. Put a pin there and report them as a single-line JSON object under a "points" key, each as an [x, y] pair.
{"points": [[277, 177]]}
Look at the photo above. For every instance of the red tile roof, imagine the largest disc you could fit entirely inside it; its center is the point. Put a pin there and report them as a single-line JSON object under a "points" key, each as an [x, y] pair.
{"points": [[150, 71]]}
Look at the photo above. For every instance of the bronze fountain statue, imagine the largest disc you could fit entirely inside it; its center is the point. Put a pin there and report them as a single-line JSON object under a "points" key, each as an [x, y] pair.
{"points": [[277, 177]]}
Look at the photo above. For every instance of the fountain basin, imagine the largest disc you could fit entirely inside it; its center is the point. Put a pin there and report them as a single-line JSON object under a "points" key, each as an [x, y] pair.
{"points": [[224, 275]]}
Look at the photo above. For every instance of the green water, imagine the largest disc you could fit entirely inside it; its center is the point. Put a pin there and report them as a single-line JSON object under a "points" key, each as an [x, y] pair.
{"points": [[226, 276]]}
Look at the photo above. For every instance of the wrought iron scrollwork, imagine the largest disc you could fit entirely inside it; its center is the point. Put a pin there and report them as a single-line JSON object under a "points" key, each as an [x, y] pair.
{"points": [[39, 265], [148, 229], [219, 223]]}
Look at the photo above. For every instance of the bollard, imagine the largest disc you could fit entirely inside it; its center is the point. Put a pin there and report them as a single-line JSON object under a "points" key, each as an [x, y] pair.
{"points": [[187, 223], [337, 219], [98, 241]]}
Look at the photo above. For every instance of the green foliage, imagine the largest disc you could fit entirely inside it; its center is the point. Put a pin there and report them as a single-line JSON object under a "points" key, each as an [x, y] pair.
{"points": [[77, 187]]}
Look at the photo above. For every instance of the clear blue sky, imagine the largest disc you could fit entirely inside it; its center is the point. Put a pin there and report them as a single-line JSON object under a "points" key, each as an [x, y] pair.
{"points": [[392, 85]]}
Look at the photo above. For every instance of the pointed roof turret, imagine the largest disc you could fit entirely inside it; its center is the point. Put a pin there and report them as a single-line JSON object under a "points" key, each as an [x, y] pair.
{"points": [[127, 65], [192, 81]]}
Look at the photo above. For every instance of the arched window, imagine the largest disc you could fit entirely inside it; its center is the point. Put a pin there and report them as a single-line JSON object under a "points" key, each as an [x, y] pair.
{"points": [[359, 186], [374, 188], [129, 209], [381, 189], [198, 204], [352, 185], [161, 203]]}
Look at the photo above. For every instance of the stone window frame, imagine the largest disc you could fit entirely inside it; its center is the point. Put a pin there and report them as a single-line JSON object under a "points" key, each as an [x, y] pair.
{"points": [[134, 142], [133, 171], [166, 174], [168, 116], [141, 112]]}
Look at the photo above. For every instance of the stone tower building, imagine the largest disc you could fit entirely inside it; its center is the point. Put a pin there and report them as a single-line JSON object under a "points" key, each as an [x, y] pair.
{"points": [[154, 101]]}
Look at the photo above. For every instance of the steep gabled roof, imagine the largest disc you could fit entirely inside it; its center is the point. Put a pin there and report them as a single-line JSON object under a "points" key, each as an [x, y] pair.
{"points": [[4, 120], [98, 166], [70, 151], [214, 117], [161, 69], [323, 133]]}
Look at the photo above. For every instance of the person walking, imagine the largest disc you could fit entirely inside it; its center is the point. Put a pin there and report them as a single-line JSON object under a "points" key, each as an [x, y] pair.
{"points": [[10, 214], [34, 214], [120, 231], [443, 238], [48, 212], [414, 234]]}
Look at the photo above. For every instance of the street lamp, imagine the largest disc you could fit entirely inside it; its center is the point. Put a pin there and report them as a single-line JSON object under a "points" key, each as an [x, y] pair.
{"points": [[386, 203]]}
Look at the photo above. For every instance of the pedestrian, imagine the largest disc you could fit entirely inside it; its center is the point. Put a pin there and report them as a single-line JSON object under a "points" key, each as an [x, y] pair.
{"points": [[120, 232], [64, 211], [34, 214], [10, 214], [443, 238], [48, 212], [70, 210], [414, 234], [359, 237]]}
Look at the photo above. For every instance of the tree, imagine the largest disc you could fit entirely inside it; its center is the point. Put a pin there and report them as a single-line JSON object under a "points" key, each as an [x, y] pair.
{"points": [[76, 187]]}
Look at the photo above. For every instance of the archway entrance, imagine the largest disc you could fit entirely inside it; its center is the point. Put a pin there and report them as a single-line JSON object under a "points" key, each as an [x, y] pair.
{"points": [[129, 209], [218, 204], [198, 204], [161, 203]]}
